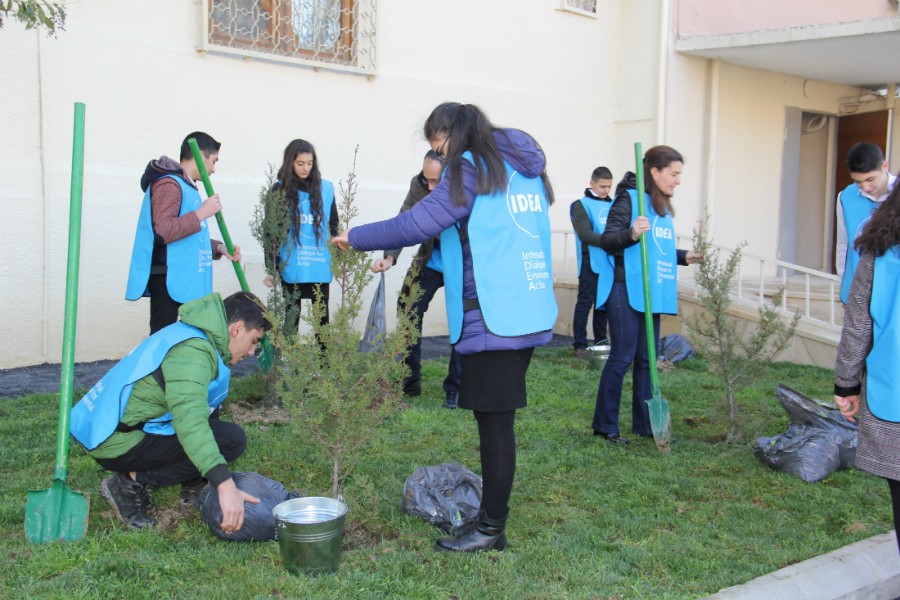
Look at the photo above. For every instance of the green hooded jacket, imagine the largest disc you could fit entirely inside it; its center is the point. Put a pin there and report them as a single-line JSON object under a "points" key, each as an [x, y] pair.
{"points": [[188, 369]]}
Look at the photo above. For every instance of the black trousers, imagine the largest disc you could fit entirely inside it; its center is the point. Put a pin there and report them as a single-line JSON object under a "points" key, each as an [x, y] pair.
{"points": [[294, 294], [163, 309], [160, 460]]}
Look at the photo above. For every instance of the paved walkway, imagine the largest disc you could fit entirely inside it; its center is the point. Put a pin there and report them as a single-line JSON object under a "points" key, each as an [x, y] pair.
{"points": [[866, 570]]}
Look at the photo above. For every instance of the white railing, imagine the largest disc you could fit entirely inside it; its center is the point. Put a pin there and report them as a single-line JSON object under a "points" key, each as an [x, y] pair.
{"points": [[813, 294]]}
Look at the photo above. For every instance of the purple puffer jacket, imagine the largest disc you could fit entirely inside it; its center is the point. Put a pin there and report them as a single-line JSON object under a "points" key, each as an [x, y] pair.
{"points": [[435, 213]]}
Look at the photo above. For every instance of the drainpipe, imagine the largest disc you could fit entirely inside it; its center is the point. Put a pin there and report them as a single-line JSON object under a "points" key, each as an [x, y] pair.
{"points": [[890, 105], [712, 136], [662, 75], [45, 210]]}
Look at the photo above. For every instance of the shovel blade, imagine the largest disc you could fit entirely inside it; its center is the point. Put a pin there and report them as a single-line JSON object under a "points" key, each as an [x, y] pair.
{"points": [[55, 514], [265, 355], [660, 423]]}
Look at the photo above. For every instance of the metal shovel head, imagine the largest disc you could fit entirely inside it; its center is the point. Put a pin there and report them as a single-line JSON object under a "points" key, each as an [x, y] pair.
{"points": [[265, 355], [660, 423], [55, 514]]}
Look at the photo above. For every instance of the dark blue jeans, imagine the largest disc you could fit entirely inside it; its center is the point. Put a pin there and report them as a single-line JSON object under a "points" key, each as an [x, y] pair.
{"points": [[430, 281], [629, 345], [587, 297]]}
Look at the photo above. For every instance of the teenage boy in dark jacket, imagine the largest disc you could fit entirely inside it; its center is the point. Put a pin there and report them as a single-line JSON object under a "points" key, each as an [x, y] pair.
{"points": [[589, 220]]}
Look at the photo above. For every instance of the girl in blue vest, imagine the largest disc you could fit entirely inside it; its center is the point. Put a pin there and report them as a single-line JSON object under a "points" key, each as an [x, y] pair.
{"points": [[304, 260], [865, 373], [490, 209], [628, 333]]}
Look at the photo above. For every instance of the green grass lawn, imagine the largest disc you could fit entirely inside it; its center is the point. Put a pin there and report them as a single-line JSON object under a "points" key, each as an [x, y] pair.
{"points": [[588, 519]]}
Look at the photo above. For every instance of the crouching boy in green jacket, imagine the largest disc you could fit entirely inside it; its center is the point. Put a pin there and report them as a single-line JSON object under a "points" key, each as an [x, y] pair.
{"points": [[153, 419]]}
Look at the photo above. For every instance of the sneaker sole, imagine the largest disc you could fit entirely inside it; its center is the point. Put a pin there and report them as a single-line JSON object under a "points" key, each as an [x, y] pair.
{"points": [[107, 495]]}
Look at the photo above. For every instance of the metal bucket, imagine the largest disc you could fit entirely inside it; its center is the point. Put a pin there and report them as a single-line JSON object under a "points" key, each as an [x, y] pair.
{"points": [[310, 531], [597, 356]]}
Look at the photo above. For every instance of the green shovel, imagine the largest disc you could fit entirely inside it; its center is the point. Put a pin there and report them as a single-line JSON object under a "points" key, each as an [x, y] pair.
{"points": [[60, 513], [265, 356], [660, 418]]}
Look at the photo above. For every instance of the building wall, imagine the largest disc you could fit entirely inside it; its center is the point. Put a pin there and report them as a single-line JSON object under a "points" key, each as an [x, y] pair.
{"points": [[703, 17], [145, 86]]}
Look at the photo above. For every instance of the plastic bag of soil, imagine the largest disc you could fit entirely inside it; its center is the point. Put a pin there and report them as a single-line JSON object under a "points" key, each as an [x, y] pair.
{"points": [[446, 495], [375, 324], [818, 440], [675, 348], [259, 523]]}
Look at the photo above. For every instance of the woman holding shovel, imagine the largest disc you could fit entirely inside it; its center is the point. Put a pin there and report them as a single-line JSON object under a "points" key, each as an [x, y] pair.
{"points": [[304, 259], [490, 210], [662, 168], [865, 374]]}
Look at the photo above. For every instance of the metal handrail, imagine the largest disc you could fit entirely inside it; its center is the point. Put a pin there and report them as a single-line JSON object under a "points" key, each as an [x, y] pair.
{"points": [[757, 267]]}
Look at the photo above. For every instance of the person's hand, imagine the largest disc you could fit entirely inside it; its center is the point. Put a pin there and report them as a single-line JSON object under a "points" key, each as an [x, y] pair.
{"points": [[269, 281], [640, 225], [693, 256], [342, 239], [848, 406], [223, 250], [210, 207], [231, 499], [383, 264]]}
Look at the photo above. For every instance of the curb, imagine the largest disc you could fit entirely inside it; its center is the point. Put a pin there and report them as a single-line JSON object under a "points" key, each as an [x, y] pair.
{"points": [[868, 570]]}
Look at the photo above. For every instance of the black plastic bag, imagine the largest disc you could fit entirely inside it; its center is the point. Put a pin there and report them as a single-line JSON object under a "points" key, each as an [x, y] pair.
{"points": [[818, 440], [675, 348], [259, 522], [375, 324], [446, 495]]}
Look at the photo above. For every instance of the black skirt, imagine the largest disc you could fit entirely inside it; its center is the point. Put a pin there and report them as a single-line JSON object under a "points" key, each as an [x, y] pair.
{"points": [[494, 381]]}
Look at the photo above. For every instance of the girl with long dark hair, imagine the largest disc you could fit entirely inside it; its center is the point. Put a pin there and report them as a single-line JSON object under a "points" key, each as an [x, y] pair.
{"points": [[865, 381], [491, 212], [304, 260], [625, 305]]}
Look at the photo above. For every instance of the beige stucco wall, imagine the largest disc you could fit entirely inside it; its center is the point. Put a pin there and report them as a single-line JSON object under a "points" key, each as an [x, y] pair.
{"points": [[747, 144], [135, 66]]}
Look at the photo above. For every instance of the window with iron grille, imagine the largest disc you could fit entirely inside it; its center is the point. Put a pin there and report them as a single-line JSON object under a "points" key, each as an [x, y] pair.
{"points": [[584, 7], [333, 34]]}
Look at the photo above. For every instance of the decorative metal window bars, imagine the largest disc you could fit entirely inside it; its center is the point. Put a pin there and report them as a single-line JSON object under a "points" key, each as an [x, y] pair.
{"points": [[330, 34]]}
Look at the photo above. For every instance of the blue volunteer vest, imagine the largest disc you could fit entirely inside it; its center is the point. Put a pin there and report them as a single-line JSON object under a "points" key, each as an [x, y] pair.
{"points": [[662, 262], [509, 240], [601, 262], [881, 364], [434, 261], [309, 261], [94, 418], [188, 260], [857, 211]]}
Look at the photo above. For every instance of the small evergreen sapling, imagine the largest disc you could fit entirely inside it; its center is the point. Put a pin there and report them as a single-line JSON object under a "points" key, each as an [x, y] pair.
{"points": [[734, 357], [337, 395]]}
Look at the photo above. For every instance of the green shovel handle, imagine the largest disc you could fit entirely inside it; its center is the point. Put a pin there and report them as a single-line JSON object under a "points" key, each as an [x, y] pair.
{"points": [[67, 367], [648, 304], [226, 237]]}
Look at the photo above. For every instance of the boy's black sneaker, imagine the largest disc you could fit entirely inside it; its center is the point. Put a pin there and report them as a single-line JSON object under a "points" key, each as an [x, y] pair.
{"points": [[129, 499], [191, 492]]}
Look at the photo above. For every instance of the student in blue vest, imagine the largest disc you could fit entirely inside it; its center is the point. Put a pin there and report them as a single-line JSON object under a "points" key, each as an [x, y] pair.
{"points": [[305, 260], [429, 275], [490, 209], [153, 418], [872, 182], [662, 174], [865, 373], [595, 270], [171, 261]]}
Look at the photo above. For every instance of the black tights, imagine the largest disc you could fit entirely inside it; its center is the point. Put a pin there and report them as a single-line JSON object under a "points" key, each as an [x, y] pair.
{"points": [[895, 502], [498, 460]]}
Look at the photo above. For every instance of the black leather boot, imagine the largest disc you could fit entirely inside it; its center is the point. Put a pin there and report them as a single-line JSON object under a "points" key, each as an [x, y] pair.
{"points": [[484, 533]]}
